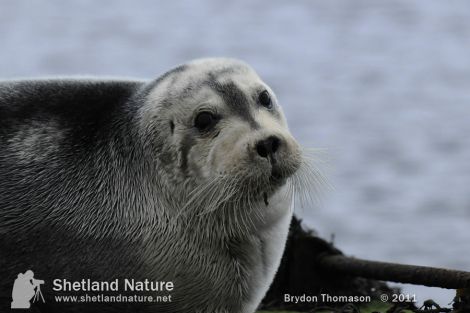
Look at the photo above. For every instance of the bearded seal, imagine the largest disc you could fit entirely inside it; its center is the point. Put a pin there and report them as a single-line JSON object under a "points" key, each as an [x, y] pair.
{"points": [[187, 178]]}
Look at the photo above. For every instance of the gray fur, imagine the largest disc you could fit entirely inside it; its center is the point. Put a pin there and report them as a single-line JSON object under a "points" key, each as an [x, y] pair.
{"points": [[235, 99], [107, 179]]}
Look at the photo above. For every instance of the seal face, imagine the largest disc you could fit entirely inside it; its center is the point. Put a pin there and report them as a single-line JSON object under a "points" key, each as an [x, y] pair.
{"points": [[220, 122], [187, 178]]}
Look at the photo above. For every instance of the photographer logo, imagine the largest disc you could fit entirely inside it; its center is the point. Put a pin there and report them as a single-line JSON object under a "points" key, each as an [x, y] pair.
{"points": [[25, 288]]}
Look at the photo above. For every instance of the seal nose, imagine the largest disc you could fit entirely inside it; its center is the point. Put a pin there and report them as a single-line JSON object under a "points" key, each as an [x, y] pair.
{"points": [[268, 146]]}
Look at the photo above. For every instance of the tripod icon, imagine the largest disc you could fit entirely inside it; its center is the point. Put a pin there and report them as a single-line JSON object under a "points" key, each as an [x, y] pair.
{"points": [[38, 294]]}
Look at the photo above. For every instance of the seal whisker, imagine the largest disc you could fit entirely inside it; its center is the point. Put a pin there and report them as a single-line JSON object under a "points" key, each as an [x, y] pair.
{"points": [[198, 194], [220, 194], [309, 181]]}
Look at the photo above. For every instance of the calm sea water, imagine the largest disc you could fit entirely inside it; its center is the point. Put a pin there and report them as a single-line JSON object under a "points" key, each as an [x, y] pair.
{"points": [[384, 87]]}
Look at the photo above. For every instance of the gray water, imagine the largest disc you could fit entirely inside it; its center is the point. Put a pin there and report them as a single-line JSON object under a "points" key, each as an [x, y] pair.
{"points": [[384, 87]]}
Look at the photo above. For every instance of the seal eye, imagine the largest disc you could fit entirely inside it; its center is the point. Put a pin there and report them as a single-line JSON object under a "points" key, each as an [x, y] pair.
{"points": [[265, 99], [204, 121]]}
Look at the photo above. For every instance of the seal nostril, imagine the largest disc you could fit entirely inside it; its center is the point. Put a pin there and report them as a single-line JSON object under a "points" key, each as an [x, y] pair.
{"points": [[275, 143], [268, 146], [261, 149]]}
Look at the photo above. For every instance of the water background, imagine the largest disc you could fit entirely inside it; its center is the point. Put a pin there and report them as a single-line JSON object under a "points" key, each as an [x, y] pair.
{"points": [[383, 86]]}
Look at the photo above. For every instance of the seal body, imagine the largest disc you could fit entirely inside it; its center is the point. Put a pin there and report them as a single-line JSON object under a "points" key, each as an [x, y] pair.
{"points": [[182, 179]]}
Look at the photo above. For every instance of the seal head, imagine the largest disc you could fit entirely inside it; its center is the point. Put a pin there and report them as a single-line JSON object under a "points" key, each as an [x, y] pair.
{"points": [[215, 123]]}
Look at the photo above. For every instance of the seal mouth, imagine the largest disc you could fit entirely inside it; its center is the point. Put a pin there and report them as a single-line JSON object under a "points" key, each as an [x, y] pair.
{"points": [[278, 175], [277, 178]]}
